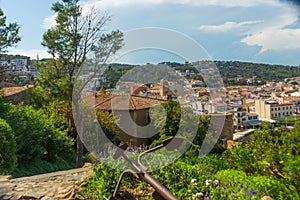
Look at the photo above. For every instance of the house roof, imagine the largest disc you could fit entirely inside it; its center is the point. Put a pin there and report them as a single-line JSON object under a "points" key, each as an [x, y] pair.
{"points": [[124, 102], [8, 91]]}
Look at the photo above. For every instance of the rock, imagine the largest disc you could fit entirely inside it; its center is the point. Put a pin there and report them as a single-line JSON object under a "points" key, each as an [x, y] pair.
{"points": [[5, 178], [30, 194], [52, 186]]}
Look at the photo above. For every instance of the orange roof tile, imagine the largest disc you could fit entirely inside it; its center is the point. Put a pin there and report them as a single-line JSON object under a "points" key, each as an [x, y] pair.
{"points": [[124, 102], [8, 91]]}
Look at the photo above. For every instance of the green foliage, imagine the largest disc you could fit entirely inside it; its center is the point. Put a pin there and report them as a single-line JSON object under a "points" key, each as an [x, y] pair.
{"points": [[36, 136], [8, 33], [177, 177], [270, 153], [114, 73], [262, 72], [8, 157], [101, 185], [236, 184], [170, 122], [39, 166], [109, 126], [237, 73]]}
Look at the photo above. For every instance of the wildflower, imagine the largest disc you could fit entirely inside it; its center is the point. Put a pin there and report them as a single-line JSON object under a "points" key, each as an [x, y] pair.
{"points": [[216, 182], [208, 182], [252, 192], [120, 145], [198, 195], [281, 162], [241, 186]]}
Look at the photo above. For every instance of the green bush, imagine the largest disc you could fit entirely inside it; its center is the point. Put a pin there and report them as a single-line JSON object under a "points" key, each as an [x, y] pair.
{"points": [[235, 184], [37, 138], [8, 157], [178, 177]]}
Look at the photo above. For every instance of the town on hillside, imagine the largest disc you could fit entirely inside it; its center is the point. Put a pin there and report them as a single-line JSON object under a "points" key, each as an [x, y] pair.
{"points": [[245, 106]]}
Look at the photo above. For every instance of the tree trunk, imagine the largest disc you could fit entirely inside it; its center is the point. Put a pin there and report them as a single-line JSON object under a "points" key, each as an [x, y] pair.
{"points": [[79, 152]]}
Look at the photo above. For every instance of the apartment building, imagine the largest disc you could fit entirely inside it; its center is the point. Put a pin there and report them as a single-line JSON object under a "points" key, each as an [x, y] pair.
{"points": [[273, 109]]}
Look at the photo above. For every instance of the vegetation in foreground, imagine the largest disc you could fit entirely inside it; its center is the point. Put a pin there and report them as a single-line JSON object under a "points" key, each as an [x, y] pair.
{"points": [[268, 165]]}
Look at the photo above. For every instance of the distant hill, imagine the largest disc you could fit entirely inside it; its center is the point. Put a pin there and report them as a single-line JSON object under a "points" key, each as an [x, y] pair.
{"points": [[261, 72], [237, 73]]}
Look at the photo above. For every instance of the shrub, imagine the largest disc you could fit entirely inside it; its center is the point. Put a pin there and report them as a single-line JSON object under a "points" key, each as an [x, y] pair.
{"points": [[235, 184], [8, 156], [36, 136]]}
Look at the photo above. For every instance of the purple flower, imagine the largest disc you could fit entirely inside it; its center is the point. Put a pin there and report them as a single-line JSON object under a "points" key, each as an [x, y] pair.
{"points": [[252, 192], [219, 182], [241, 186]]}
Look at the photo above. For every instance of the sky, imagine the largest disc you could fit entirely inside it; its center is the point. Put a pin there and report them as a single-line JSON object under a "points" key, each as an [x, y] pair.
{"points": [[261, 31]]}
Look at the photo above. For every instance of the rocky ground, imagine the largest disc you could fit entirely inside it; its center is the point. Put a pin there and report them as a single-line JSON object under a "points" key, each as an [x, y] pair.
{"points": [[52, 186]]}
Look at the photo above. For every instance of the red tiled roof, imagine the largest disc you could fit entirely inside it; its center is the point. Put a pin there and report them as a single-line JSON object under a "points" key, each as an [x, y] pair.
{"points": [[124, 102], [8, 91]]}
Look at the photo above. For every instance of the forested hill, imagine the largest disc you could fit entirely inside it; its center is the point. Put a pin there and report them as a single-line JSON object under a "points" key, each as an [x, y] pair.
{"points": [[235, 72], [262, 72]]}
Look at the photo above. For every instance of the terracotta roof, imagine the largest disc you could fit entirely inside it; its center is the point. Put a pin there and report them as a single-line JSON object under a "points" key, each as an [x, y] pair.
{"points": [[124, 102], [8, 91]]}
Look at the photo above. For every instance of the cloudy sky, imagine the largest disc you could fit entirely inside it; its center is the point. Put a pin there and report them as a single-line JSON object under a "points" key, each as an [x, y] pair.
{"points": [[266, 31]]}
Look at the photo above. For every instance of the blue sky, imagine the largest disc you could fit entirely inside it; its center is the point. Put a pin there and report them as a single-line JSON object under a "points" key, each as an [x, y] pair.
{"points": [[266, 31]]}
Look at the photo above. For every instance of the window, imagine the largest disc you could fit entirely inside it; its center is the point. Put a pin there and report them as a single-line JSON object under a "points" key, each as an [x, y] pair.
{"points": [[275, 109], [282, 108], [272, 109], [279, 108], [290, 112]]}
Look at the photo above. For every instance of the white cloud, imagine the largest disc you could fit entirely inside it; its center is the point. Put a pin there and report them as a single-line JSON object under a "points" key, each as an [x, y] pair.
{"points": [[224, 3], [274, 35], [229, 3], [275, 39], [227, 26], [49, 22], [104, 5], [32, 53]]}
